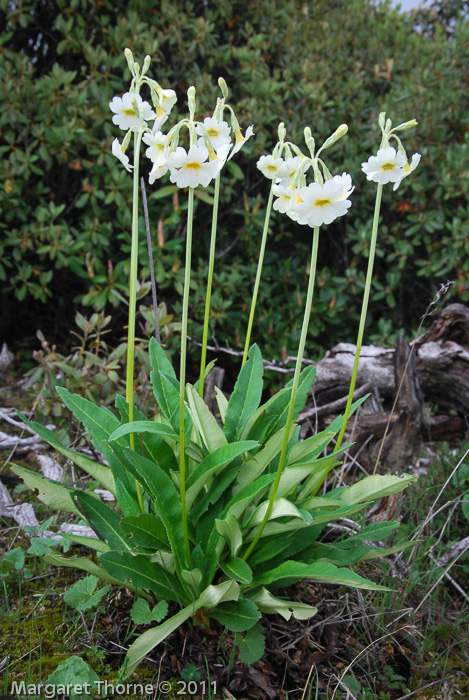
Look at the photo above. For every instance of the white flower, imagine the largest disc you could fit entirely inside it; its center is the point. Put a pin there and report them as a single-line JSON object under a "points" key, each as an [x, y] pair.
{"points": [[241, 140], [386, 166], [191, 169], [408, 169], [118, 151], [320, 204], [125, 116], [346, 182], [158, 146], [272, 168], [291, 166], [168, 99], [285, 197], [218, 132], [158, 170]]}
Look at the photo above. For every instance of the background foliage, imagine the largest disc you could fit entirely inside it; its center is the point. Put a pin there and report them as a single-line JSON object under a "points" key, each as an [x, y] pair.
{"points": [[65, 229]]}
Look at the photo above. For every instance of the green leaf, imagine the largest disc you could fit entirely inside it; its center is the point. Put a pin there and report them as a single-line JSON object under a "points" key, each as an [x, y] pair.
{"points": [[74, 673], [82, 595], [292, 571], [237, 569], [165, 498], [205, 422], [246, 395], [142, 615], [105, 521], [127, 503], [52, 493], [258, 463], [281, 508], [102, 474], [85, 564], [267, 603], [14, 559], [376, 486], [90, 542], [158, 360], [238, 616], [252, 646], [230, 530], [145, 530], [309, 448], [144, 426], [211, 596], [212, 464], [143, 573], [222, 403]]}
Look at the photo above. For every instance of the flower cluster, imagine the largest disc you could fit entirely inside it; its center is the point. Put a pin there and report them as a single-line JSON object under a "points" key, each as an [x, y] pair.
{"points": [[314, 204], [212, 142], [389, 164]]}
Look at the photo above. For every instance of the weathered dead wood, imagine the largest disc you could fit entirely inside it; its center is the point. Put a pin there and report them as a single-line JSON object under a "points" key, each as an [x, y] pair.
{"points": [[426, 381]]}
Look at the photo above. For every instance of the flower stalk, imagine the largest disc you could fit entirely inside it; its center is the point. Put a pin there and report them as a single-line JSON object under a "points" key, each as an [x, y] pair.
{"points": [[294, 391], [213, 238], [129, 384], [258, 273]]}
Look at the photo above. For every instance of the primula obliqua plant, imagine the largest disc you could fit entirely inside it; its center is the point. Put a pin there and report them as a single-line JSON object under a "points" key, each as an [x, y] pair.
{"points": [[216, 513]]}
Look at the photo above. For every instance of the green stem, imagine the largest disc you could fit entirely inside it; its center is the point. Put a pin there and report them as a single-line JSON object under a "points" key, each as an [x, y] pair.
{"points": [[259, 272], [294, 391], [129, 384], [203, 359], [182, 375], [361, 327]]}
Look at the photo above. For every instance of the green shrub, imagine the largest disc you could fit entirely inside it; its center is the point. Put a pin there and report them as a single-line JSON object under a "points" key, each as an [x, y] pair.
{"points": [[65, 234]]}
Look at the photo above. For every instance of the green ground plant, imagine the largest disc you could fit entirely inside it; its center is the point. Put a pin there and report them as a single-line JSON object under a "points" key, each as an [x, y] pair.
{"points": [[215, 515]]}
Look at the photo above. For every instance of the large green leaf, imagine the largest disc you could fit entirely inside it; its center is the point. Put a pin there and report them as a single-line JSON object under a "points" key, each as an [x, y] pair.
{"points": [[291, 571], [100, 423], [238, 616], [212, 464], [144, 573], [144, 426], [85, 564], [308, 449], [145, 530], [98, 471], [158, 359], [267, 603], [102, 519], [212, 435], [210, 598], [230, 530], [246, 395], [237, 569], [376, 486], [165, 498], [259, 462], [54, 494]]}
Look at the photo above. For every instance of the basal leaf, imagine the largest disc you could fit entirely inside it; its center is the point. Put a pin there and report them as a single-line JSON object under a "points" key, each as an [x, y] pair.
{"points": [[212, 435], [246, 395], [292, 571], [145, 530], [55, 495], [267, 603], [103, 520], [237, 569], [144, 573], [238, 616], [376, 486]]}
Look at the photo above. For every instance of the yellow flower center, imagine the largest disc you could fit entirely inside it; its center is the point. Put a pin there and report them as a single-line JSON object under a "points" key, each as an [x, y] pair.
{"points": [[322, 202], [129, 113], [388, 166], [272, 168], [193, 166], [160, 146], [407, 168], [212, 133]]}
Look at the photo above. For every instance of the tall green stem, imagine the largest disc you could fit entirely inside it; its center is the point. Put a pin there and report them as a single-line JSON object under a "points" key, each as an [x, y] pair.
{"points": [[203, 359], [294, 391], [361, 327], [182, 374], [129, 385], [259, 272]]}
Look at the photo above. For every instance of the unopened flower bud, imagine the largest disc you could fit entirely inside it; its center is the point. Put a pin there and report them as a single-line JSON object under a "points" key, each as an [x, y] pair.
{"points": [[126, 141], [130, 60], [406, 125], [388, 126], [223, 87], [338, 133], [382, 119], [137, 68], [191, 99], [282, 132], [146, 64]]}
